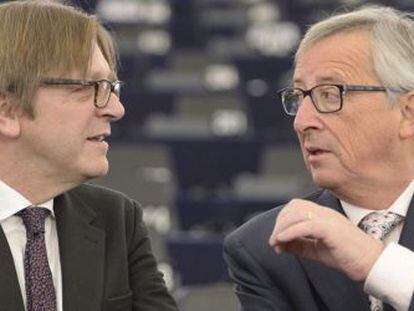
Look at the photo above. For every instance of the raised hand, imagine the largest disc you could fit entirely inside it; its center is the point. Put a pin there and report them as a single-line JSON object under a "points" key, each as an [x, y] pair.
{"points": [[315, 232]]}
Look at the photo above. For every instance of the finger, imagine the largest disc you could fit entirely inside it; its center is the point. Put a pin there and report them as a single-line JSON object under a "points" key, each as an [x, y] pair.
{"points": [[279, 219], [289, 219], [272, 238], [293, 205], [304, 229]]}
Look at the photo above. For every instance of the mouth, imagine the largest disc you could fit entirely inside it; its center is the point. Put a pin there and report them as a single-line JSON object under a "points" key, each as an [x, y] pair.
{"points": [[98, 138], [315, 151]]}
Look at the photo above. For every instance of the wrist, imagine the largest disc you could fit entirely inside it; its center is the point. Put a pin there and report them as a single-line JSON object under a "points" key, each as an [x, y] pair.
{"points": [[370, 258]]}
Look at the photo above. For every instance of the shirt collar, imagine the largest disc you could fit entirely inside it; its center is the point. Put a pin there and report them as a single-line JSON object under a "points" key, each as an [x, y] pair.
{"points": [[12, 202], [399, 206]]}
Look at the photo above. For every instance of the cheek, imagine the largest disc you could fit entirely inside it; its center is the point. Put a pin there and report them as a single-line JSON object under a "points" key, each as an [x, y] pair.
{"points": [[61, 138], [364, 140], [346, 138]]}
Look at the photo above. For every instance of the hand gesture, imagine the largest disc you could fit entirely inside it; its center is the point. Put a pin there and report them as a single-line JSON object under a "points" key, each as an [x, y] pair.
{"points": [[315, 232]]}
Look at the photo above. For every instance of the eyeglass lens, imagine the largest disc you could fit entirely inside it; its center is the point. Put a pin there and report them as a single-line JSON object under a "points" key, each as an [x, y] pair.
{"points": [[326, 98], [104, 90]]}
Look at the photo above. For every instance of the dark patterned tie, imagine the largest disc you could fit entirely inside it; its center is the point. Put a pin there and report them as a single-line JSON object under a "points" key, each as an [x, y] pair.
{"points": [[378, 225], [40, 292]]}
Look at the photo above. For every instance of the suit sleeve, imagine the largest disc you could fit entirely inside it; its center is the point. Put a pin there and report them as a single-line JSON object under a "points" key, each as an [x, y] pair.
{"points": [[148, 288], [254, 288]]}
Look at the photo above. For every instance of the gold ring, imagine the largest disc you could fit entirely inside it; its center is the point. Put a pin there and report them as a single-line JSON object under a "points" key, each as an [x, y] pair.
{"points": [[309, 215]]}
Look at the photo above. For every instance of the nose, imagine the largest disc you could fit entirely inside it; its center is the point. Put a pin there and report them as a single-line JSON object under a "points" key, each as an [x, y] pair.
{"points": [[114, 110], [306, 116]]}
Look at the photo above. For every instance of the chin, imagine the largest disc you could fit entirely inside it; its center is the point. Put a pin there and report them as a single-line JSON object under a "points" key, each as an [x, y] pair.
{"points": [[324, 180], [94, 170]]}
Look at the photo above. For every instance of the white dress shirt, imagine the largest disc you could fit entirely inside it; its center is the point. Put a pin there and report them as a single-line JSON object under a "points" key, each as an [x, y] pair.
{"points": [[12, 202], [391, 279]]}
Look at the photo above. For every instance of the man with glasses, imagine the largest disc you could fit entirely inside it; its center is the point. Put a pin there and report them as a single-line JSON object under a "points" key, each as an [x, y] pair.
{"points": [[65, 245], [349, 246]]}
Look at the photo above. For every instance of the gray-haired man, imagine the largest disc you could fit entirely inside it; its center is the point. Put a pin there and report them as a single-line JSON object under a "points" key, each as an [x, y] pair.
{"points": [[352, 100]]}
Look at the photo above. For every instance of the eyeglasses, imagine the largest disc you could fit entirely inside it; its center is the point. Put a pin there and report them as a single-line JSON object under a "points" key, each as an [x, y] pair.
{"points": [[103, 88], [326, 98]]}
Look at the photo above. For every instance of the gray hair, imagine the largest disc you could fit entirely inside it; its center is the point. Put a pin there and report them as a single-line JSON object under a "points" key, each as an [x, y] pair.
{"points": [[392, 41]]}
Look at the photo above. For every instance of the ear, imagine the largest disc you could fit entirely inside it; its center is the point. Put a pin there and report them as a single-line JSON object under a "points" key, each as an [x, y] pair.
{"points": [[9, 117]]}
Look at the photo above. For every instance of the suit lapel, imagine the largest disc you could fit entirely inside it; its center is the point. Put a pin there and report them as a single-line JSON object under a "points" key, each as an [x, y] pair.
{"points": [[10, 294], [337, 291], [407, 234], [82, 254]]}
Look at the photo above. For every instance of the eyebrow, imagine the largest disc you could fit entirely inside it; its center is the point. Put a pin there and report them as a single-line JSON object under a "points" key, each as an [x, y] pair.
{"points": [[111, 76], [329, 79], [98, 76], [322, 80]]}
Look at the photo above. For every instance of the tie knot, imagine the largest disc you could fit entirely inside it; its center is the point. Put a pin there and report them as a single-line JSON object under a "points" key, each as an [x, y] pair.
{"points": [[378, 225], [34, 219]]}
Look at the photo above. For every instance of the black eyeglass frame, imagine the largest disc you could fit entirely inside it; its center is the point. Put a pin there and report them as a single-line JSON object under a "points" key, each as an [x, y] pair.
{"points": [[343, 88], [115, 87]]}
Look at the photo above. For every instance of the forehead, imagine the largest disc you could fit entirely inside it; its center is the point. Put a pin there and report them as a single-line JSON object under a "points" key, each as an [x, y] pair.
{"points": [[98, 68], [344, 57]]}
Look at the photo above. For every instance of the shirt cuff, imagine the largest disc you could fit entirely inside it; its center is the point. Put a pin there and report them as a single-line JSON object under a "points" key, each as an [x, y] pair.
{"points": [[391, 279]]}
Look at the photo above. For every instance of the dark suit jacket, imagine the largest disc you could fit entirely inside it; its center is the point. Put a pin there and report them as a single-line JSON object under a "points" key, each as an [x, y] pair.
{"points": [[105, 255], [268, 281]]}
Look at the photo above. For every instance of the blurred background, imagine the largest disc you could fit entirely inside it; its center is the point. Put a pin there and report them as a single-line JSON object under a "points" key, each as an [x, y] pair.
{"points": [[205, 145]]}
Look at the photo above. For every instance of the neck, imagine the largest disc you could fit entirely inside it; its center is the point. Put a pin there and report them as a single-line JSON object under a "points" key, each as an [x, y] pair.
{"points": [[35, 191], [373, 196], [36, 185]]}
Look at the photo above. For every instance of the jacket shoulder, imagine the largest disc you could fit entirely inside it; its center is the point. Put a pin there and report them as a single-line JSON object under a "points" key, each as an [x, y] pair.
{"points": [[90, 192], [101, 200]]}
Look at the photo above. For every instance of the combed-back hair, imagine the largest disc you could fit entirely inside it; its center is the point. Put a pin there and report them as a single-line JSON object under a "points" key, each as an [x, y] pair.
{"points": [[392, 41]]}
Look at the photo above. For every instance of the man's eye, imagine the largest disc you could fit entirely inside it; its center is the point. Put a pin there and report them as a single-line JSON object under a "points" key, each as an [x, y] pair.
{"points": [[329, 95], [83, 90], [80, 88], [83, 93]]}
